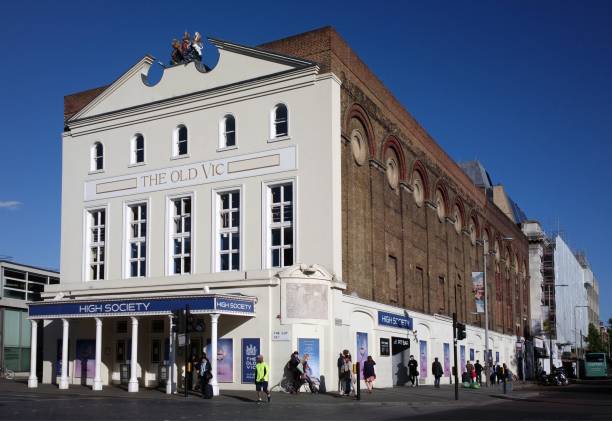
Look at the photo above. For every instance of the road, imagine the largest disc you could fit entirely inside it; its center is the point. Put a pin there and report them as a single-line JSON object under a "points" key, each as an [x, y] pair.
{"points": [[575, 402]]}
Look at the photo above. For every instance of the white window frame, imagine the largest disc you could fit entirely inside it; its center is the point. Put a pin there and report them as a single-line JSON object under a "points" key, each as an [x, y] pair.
{"points": [[267, 224], [127, 226], [216, 221], [273, 135], [169, 252], [134, 150], [93, 157], [87, 241], [175, 142], [223, 133]]}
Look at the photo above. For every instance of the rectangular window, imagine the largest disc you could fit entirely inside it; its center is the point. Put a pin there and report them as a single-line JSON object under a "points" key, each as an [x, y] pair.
{"points": [[97, 241], [228, 229], [281, 225], [181, 236], [137, 244], [139, 149]]}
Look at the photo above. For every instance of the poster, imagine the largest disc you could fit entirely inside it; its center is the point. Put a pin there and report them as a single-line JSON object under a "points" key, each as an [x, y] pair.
{"points": [[478, 289], [250, 350], [496, 357], [447, 359], [310, 346], [225, 359], [362, 349], [85, 363], [423, 359], [462, 360], [472, 357]]}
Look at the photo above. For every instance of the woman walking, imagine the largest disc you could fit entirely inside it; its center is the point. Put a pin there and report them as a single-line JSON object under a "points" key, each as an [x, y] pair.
{"points": [[368, 373]]}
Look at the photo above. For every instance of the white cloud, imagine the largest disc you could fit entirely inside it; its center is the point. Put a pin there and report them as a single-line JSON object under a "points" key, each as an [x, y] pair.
{"points": [[9, 204]]}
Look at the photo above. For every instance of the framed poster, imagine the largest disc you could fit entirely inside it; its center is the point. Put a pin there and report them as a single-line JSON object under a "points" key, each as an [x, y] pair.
{"points": [[447, 359], [385, 346], [310, 346], [423, 359], [362, 349], [225, 359], [472, 356], [462, 360], [250, 350]]}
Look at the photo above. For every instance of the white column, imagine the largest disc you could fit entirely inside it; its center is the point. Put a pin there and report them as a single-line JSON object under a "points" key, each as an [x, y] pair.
{"points": [[169, 375], [214, 318], [133, 383], [97, 383], [63, 384], [33, 380]]}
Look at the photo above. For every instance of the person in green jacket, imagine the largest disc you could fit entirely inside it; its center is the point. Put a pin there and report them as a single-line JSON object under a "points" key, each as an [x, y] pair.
{"points": [[262, 376]]}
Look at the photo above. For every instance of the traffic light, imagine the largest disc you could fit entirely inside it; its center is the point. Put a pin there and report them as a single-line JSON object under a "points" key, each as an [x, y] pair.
{"points": [[460, 331]]}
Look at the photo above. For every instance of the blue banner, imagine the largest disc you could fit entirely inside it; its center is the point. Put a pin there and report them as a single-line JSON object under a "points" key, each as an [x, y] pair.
{"points": [[462, 358], [250, 350], [394, 320], [310, 347], [472, 354], [136, 306]]}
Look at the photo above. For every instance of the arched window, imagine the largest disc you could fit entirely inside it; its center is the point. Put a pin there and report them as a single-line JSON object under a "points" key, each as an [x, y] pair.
{"points": [[392, 171], [485, 242], [97, 157], [440, 204], [473, 228], [228, 131], [180, 147], [137, 149], [418, 188], [458, 218], [280, 121]]}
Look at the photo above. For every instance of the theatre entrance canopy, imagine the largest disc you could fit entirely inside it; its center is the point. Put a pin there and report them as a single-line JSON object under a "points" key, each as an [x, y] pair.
{"points": [[134, 308]]}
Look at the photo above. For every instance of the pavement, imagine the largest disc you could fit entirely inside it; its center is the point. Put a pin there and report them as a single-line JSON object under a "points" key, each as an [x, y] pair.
{"points": [[525, 401]]}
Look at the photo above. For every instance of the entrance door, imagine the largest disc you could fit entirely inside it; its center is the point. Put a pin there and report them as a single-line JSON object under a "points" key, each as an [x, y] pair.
{"points": [[400, 354]]}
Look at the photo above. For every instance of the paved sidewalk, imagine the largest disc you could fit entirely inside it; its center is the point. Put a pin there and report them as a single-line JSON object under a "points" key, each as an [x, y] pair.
{"points": [[418, 396]]}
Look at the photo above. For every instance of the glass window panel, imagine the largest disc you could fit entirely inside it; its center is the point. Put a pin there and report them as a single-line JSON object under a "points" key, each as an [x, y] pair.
{"points": [[177, 246], [187, 205], [9, 293], [143, 249], [235, 261], [139, 142], [276, 214], [187, 243], [235, 219], [236, 200], [236, 241], [11, 358], [12, 283], [183, 148], [94, 235], [230, 139], [34, 296], [134, 250], [288, 236], [281, 112], [102, 234], [53, 281], [276, 237], [134, 230], [178, 228], [275, 258], [187, 224], [11, 327], [276, 194], [288, 213], [94, 272], [37, 278], [101, 272], [14, 274], [143, 229], [143, 268], [99, 163], [281, 129], [35, 287], [230, 124], [225, 220], [288, 257], [288, 193], [102, 217], [101, 253], [225, 200], [182, 134], [224, 242], [26, 329], [187, 265], [133, 268], [177, 265], [177, 207], [143, 212], [224, 262], [134, 213]]}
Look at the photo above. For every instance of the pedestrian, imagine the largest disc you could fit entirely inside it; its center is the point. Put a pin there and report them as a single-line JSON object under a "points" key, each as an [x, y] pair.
{"points": [[493, 376], [340, 363], [347, 368], [469, 368], [413, 372], [478, 368], [500, 374], [436, 370], [368, 373], [262, 376], [205, 372], [294, 368]]}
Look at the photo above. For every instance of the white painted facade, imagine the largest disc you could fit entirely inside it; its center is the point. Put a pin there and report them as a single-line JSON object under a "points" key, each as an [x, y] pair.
{"points": [[303, 300]]}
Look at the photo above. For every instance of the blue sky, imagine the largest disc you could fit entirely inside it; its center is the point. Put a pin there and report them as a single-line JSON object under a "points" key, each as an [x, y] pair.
{"points": [[523, 86]]}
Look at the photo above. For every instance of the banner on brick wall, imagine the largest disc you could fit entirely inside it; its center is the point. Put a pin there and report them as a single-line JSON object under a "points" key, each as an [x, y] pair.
{"points": [[478, 288]]}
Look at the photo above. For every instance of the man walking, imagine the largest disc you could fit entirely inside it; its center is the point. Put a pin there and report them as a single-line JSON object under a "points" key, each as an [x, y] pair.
{"points": [[478, 368], [262, 376], [436, 369], [413, 372]]}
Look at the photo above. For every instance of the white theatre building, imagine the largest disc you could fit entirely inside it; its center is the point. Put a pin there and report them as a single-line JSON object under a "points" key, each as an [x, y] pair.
{"points": [[220, 189]]}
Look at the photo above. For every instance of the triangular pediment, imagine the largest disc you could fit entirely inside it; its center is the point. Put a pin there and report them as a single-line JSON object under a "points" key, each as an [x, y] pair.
{"points": [[237, 64]]}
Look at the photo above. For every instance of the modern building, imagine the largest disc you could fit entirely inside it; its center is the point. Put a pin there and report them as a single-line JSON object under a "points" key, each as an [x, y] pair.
{"points": [[19, 284], [592, 288], [289, 199]]}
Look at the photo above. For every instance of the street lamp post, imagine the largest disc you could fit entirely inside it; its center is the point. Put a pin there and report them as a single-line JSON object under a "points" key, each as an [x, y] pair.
{"points": [[576, 341], [486, 309]]}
